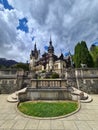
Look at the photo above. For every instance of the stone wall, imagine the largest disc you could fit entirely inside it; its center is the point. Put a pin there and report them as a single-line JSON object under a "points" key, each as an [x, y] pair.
{"points": [[45, 94], [89, 85], [84, 79], [13, 80]]}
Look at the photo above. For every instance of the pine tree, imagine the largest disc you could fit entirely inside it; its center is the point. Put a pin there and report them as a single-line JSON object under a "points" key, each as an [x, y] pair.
{"points": [[82, 55], [94, 53], [77, 55]]}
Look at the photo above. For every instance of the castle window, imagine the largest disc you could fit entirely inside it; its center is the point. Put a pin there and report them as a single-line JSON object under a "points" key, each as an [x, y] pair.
{"points": [[4, 81], [11, 82], [56, 66]]}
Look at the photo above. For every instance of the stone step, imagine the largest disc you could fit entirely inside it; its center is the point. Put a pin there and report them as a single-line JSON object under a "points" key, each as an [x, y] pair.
{"points": [[89, 99], [10, 99], [76, 93], [14, 96]]}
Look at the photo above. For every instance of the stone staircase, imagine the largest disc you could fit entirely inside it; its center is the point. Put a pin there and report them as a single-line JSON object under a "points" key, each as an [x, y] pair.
{"points": [[14, 96], [76, 95], [80, 95]]}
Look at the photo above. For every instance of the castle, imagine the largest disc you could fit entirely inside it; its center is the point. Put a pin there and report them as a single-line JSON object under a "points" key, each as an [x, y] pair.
{"points": [[49, 61]]}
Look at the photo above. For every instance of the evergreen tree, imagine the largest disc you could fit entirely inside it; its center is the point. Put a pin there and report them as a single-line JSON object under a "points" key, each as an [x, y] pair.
{"points": [[77, 55], [94, 53], [82, 55], [96, 62]]}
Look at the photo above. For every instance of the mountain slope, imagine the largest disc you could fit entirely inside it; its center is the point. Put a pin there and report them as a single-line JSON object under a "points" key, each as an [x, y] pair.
{"points": [[7, 63]]}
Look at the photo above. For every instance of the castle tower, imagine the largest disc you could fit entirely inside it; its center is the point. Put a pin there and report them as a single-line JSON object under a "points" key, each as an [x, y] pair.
{"points": [[51, 53], [50, 48], [34, 57]]}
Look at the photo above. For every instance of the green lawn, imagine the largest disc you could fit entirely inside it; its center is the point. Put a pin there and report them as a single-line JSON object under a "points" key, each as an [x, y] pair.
{"points": [[47, 109]]}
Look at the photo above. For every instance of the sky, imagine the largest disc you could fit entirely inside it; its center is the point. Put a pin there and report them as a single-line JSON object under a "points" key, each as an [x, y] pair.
{"points": [[24, 22]]}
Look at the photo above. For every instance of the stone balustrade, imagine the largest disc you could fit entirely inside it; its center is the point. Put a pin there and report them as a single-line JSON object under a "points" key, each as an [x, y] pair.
{"points": [[48, 83]]}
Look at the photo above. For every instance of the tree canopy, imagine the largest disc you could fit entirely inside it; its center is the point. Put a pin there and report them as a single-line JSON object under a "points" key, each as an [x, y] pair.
{"points": [[24, 66], [94, 53], [82, 55]]}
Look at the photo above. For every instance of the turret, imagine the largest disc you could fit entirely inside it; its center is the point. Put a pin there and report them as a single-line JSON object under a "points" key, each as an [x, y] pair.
{"points": [[50, 48], [34, 56], [35, 48], [51, 53]]}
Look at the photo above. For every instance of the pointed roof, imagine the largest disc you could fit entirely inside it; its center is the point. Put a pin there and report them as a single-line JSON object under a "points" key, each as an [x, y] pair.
{"points": [[35, 48], [50, 48], [61, 56], [50, 40]]}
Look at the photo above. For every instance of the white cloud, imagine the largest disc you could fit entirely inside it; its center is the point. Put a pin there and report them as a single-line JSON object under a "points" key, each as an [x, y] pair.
{"points": [[68, 21], [11, 41]]}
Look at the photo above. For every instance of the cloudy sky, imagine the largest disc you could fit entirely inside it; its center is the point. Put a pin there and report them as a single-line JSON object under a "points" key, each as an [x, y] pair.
{"points": [[24, 22]]}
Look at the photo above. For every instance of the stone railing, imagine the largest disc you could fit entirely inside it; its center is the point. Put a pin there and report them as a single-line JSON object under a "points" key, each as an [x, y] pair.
{"points": [[48, 83]]}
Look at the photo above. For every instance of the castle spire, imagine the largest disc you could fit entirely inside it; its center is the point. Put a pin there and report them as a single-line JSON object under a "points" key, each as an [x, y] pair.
{"points": [[50, 48], [50, 40], [35, 46]]}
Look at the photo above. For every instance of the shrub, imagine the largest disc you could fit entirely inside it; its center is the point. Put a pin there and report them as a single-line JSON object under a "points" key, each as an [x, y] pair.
{"points": [[55, 75], [43, 71]]}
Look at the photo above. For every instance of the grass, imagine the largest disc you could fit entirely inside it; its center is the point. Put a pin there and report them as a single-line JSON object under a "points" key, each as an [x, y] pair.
{"points": [[47, 109]]}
